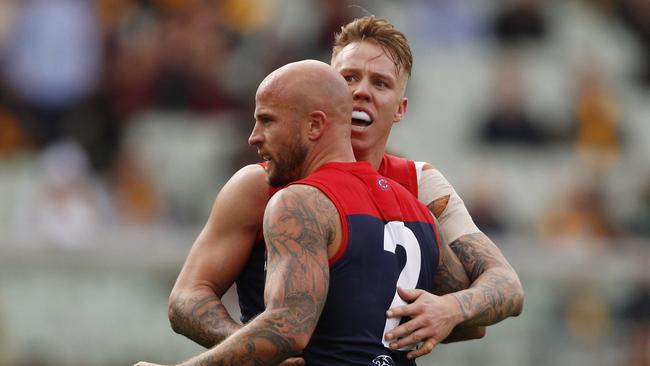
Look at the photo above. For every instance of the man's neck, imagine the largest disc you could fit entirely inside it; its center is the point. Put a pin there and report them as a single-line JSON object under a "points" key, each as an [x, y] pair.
{"points": [[373, 157], [329, 155]]}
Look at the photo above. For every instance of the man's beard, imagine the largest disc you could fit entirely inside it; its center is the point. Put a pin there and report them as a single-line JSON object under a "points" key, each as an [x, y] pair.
{"points": [[287, 166]]}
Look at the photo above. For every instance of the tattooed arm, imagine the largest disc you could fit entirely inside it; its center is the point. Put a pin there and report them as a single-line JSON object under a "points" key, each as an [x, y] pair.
{"points": [[217, 257], [495, 292], [451, 277], [488, 293], [300, 223]]}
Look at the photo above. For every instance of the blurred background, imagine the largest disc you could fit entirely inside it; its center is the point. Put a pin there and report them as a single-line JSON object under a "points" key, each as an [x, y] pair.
{"points": [[121, 119]]}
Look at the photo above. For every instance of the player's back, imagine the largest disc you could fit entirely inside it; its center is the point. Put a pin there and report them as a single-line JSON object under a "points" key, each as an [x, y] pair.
{"points": [[389, 239]]}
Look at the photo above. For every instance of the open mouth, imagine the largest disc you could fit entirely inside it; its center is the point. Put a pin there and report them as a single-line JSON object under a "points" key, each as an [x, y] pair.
{"points": [[361, 119], [264, 156]]}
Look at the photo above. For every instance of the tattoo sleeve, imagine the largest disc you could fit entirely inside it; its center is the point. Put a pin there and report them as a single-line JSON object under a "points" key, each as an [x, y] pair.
{"points": [[496, 292], [202, 318], [450, 275], [299, 224]]}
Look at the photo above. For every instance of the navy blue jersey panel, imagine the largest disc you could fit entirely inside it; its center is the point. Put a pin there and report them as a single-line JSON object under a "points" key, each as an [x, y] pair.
{"points": [[363, 283], [250, 284]]}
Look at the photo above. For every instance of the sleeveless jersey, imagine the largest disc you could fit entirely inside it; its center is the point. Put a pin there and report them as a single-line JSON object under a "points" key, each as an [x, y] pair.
{"points": [[389, 239], [250, 283], [401, 170]]}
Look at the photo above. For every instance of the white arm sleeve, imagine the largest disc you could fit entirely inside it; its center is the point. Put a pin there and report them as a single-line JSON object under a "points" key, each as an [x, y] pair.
{"points": [[455, 221]]}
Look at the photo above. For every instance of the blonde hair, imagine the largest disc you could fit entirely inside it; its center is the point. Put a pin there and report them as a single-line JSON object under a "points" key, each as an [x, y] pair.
{"points": [[381, 32]]}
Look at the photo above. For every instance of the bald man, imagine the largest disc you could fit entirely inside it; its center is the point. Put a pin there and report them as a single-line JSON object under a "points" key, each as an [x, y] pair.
{"points": [[340, 237]]}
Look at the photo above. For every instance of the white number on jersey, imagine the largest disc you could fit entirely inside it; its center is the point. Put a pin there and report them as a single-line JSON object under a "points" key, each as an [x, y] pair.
{"points": [[396, 233]]}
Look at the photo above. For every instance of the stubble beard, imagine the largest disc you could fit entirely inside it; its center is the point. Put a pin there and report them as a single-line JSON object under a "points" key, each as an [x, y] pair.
{"points": [[288, 165]]}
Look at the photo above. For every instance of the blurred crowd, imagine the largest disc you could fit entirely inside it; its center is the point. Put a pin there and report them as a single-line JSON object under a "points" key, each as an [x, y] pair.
{"points": [[136, 111]]}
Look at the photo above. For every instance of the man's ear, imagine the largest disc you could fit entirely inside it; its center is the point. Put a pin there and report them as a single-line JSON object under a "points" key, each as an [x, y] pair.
{"points": [[401, 110], [317, 122]]}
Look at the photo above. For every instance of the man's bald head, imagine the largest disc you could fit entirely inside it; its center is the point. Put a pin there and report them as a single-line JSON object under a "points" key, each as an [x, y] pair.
{"points": [[310, 85], [303, 119]]}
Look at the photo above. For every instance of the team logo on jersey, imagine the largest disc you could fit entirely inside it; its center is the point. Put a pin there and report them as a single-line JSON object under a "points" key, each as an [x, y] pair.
{"points": [[383, 360], [382, 183]]}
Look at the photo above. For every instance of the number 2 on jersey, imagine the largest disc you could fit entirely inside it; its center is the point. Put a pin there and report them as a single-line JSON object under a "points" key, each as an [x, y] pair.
{"points": [[396, 233]]}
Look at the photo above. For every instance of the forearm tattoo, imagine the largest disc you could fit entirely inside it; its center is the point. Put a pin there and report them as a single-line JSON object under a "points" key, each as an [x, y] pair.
{"points": [[297, 234], [203, 319], [496, 292], [450, 275]]}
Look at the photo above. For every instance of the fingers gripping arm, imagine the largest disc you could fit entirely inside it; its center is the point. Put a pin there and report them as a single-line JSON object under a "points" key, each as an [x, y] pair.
{"points": [[432, 317], [495, 292]]}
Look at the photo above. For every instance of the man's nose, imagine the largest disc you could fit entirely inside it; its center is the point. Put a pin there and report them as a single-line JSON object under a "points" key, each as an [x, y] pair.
{"points": [[255, 137], [361, 91]]}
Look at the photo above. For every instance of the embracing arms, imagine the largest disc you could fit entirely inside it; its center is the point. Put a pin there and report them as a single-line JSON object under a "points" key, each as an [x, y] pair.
{"points": [[217, 257], [299, 225], [493, 291]]}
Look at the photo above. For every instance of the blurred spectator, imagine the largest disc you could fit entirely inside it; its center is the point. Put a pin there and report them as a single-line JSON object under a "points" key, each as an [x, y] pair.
{"points": [[520, 21], [131, 61], [636, 16], [587, 314], [172, 57], [193, 51], [64, 206], [598, 140], [94, 125], [486, 216], [636, 315], [135, 193], [8, 9], [641, 223], [53, 60], [508, 120], [244, 16], [485, 204], [601, 5], [11, 132], [447, 22], [578, 213], [335, 14]]}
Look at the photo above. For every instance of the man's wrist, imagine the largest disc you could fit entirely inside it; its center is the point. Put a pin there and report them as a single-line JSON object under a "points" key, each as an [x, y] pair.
{"points": [[459, 315]]}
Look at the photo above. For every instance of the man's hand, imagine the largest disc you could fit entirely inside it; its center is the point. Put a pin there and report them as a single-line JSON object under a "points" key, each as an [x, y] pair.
{"points": [[432, 319]]}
